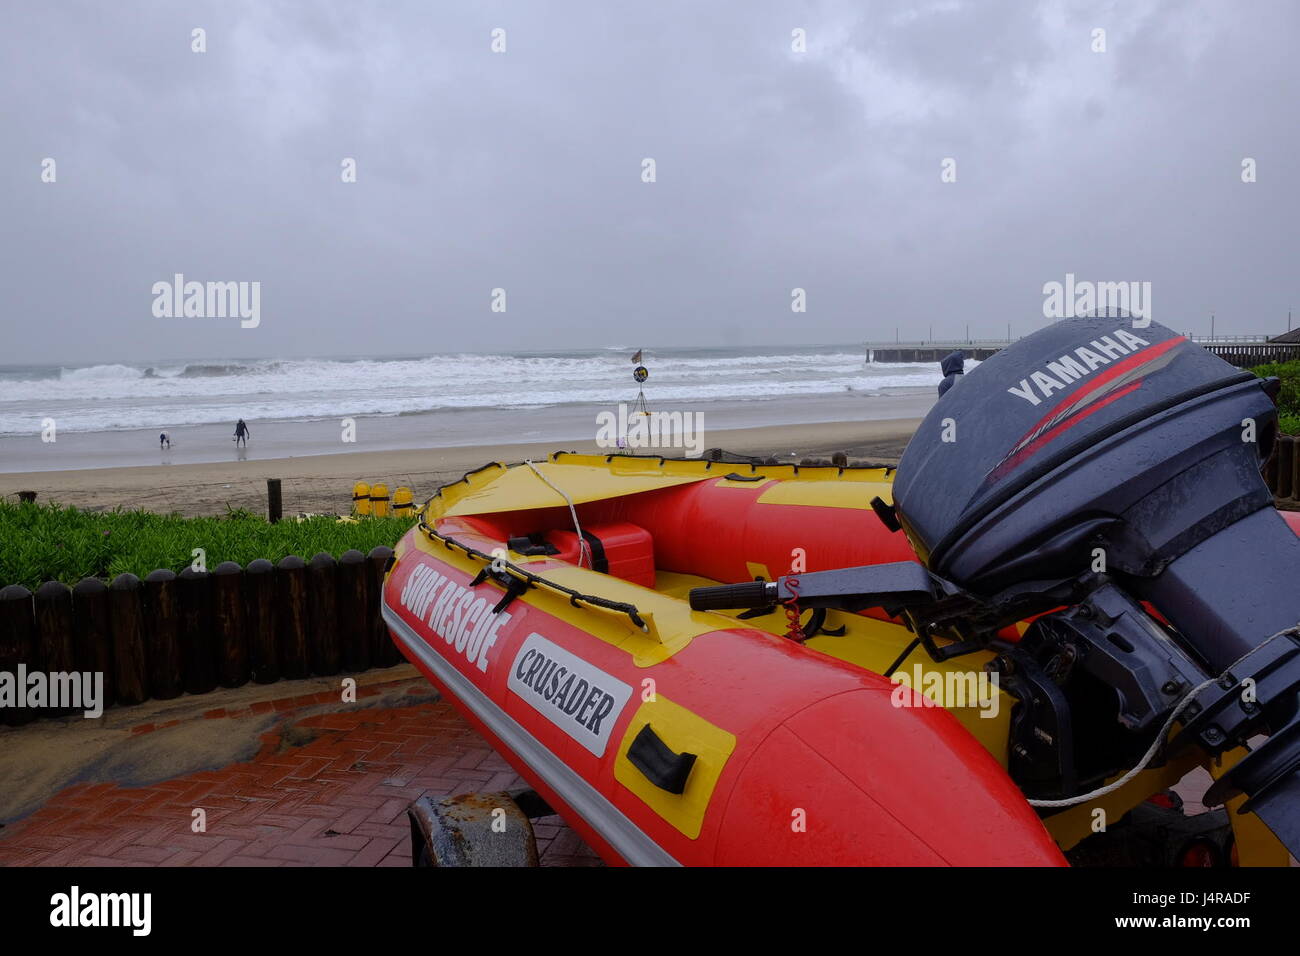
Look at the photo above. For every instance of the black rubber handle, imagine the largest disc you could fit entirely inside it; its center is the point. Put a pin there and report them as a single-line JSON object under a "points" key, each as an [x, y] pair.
{"points": [[662, 767], [724, 596]]}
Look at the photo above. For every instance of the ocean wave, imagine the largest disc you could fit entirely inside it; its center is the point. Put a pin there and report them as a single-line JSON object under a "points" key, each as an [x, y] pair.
{"points": [[118, 396], [101, 373], [223, 369]]}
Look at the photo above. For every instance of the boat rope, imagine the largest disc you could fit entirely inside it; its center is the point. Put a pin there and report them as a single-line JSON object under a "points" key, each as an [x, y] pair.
{"points": [[1156, 744], [583, 547], [500, 564], [1160, 737], [898, 661]]}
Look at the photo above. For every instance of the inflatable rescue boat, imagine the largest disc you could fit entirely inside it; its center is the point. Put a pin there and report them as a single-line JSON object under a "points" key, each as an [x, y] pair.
{"points": [[666, 735], [697, 662]]}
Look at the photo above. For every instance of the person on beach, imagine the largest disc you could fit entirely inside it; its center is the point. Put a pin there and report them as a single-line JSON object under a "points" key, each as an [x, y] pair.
{"points": [[164, 441], [241, 433]]}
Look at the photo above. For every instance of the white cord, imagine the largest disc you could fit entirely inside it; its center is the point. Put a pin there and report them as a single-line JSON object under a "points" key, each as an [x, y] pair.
{"points": [[1160, 737], [583, 548], [1142, 764]]}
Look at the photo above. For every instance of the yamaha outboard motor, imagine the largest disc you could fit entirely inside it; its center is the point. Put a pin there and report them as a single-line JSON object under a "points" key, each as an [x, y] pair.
{"points": [[1103, 478], [1130, 457]]}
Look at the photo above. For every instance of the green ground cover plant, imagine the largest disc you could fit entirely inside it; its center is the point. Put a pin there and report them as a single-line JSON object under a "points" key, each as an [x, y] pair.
{"points": [[45, 542], [1288, 399]]}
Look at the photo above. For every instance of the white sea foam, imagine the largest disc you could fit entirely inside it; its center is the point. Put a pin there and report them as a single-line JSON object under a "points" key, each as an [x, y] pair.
{"points": [[118, 396]]}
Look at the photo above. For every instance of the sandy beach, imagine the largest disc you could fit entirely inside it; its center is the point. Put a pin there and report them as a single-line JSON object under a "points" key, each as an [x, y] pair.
{"points": [[323, 483]]}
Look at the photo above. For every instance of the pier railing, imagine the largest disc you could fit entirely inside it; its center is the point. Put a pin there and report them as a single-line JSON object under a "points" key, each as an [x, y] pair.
{"points": [[1243, 351], [931, 351]]}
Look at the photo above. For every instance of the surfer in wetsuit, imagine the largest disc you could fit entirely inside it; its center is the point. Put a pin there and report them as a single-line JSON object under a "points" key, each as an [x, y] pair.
{"points": [[241, 433]]}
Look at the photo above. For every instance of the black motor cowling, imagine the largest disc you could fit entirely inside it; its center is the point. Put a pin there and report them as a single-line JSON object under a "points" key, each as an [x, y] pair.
{"points": [[1100, 445]]}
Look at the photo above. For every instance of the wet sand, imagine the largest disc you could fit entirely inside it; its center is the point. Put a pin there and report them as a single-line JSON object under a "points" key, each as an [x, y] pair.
{"points": [[323, 483], [447, 428]]}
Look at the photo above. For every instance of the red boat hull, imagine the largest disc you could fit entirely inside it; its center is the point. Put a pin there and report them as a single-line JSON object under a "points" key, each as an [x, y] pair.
{"points": [[800, 759]]}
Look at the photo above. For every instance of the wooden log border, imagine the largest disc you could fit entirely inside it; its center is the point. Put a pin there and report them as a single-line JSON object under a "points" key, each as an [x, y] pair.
{"points": [[195, 631]]}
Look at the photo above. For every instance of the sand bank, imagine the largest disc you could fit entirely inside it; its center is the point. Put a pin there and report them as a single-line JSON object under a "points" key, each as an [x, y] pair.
{"points": [[323, 483]]}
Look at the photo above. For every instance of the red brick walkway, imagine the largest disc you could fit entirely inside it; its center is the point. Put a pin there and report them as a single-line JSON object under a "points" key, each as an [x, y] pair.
{"points": [[337, 799]]}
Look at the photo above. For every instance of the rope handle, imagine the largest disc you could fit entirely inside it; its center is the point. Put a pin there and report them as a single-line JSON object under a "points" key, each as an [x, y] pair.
{"points": [[583, 547]]}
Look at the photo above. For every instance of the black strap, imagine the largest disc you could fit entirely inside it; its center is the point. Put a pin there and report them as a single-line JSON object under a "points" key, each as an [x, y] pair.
{"points": [[531, 545], [599, 562]]}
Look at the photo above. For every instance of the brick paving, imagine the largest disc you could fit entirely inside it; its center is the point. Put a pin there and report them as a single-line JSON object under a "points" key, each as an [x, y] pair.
{"points": [[337, 799]]}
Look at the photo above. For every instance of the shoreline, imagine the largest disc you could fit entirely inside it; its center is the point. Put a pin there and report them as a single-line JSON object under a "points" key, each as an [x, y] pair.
{"points": [[446, 428], [322, 483]]}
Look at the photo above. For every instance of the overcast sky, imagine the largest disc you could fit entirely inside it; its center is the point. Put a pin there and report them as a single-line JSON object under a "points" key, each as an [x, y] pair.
{"points": [[522, 170]]}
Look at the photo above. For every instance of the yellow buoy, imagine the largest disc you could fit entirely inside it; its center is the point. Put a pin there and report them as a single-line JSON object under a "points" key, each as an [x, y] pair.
{"points": [[361, 498], [403, 503], [379, 500]]}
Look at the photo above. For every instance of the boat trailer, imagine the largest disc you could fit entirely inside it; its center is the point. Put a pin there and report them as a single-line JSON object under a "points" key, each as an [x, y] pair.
{"points": [[476, 829]]}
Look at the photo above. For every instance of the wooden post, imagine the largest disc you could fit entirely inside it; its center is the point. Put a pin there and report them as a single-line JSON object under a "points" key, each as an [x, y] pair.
{"points": [[322, 615], [273, 512], [1285, 464], [54, 636], [125, 614], [259, 619], [94, 635], [291, 616], [1287, 451], [1295, 466], [198, 646], [383, 652], [353, 582], [17, 644], [162, 627], [232, 640]]}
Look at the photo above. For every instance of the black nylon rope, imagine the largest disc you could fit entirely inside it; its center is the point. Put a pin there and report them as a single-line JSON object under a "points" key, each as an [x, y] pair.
{"points": [[576, 598]]}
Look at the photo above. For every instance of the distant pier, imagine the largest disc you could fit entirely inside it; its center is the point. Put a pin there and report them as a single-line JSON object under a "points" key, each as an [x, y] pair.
{"points": [[1243, 351], [901, 352]]}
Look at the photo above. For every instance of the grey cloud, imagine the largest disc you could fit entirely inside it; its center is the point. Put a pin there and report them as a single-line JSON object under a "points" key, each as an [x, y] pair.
{"points": [[521, 170]]}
